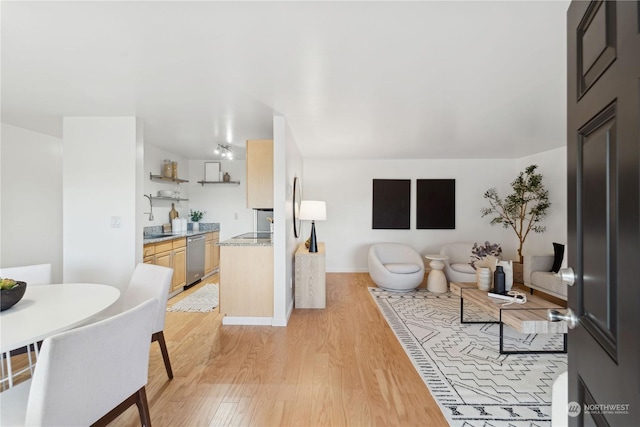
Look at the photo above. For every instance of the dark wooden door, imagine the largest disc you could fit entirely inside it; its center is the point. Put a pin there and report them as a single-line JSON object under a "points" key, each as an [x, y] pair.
{"points": [[603, 152]]}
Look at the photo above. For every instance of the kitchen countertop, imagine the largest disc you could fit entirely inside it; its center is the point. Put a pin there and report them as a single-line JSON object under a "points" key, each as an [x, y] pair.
{"points": [[204, 228], [249, 239]]}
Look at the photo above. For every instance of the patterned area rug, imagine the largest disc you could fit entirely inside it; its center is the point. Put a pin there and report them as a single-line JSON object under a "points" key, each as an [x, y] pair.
{"points": [[203, 300], [473, 383]]}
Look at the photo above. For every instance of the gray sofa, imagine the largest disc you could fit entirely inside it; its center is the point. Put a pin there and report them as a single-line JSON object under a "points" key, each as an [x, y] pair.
{"points": [[537, 275]]}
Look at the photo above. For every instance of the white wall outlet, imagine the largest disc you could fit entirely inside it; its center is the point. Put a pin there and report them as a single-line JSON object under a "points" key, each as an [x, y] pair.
{"points": [[116, 221], [235, 215]]}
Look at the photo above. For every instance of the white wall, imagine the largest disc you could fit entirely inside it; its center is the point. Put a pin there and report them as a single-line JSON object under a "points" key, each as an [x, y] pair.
{"points": [[153, 159], [287, 165], [223, 203], [100, 176], [553, 167], [346, 186], [31, 193]]}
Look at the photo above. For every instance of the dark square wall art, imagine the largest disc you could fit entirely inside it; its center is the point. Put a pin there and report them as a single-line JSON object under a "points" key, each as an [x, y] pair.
{"points": [[391, 204], [436, 204]]}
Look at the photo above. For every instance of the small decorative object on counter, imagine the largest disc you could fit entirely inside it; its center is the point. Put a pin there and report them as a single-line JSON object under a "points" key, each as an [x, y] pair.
{"points": [[226, 177], [166, 169], [499, 280], [176, 225], [174, 169], [173, 213], [196, 216]]}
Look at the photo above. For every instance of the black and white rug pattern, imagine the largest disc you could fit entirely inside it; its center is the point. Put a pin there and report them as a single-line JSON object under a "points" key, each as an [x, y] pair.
{"points": [[461, 365]]}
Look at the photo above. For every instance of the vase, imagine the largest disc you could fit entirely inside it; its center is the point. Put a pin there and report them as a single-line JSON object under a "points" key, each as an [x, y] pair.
{"points": [[196, 226], [507, 266], [483, 278]]}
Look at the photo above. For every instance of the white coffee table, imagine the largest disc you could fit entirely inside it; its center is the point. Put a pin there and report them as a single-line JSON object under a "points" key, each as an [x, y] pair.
{"points": [[437, 282]]}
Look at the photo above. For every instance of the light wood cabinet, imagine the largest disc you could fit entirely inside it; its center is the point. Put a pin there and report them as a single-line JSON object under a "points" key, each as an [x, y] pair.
{"points": [[211, 252], [310, 278], [172, 254], [260, 173], [246, 281]]}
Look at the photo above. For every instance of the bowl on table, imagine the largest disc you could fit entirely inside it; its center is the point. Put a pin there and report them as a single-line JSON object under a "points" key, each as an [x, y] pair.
{"points": [[10, 297]]}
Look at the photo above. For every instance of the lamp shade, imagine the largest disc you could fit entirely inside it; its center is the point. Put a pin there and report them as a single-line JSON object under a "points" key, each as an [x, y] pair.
{"points": [[313, 210]]}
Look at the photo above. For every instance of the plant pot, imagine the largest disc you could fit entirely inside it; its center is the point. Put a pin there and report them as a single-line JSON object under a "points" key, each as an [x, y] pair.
{"points": [[195, 226], [518, 276], [10, 297]]}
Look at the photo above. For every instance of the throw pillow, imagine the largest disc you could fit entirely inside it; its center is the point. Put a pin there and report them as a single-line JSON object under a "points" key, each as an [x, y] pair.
{"points": [[558, 254]]}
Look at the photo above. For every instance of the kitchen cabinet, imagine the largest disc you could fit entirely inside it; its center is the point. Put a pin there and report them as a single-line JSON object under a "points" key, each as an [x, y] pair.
{"points": [[246, 281], [211, 252], [260, 174], [172, 254]]}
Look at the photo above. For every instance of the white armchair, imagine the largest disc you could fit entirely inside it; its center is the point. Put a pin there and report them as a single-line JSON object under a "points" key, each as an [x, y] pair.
{"points": [[458, 268], [537, 274], [395, 267]]}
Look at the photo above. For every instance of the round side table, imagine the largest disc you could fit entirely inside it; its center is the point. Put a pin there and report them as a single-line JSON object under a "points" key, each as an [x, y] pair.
{"points": [[436, 281]]}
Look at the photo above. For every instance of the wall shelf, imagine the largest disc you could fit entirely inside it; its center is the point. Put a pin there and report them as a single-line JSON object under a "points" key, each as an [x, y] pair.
{"points": [[218, 182], [166, 179], [177, 199]]}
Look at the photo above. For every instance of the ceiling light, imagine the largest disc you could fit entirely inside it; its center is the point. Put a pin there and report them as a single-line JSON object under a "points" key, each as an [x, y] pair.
{"points": [[224, 151]]}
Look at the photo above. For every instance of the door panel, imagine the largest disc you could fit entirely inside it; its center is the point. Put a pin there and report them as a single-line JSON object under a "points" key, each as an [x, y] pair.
{"points": [[597, 209], [603, 180]]}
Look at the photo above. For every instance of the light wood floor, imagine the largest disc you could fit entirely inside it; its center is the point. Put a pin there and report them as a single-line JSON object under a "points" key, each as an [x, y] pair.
{"points": [[341, 366]]}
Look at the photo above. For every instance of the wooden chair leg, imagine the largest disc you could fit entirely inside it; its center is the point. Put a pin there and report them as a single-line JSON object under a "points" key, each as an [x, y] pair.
{"points": [[159, 336], [139, 398], [143, 407]]}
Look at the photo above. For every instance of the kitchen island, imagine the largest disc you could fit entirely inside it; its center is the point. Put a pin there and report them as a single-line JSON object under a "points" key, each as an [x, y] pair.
{"points": [[246, 279]]}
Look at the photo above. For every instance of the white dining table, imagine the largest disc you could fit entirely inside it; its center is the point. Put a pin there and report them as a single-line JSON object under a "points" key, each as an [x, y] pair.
{"points": [[46, 310]]}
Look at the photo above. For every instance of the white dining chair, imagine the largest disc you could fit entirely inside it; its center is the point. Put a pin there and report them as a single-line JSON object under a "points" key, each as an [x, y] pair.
{"points": [[34, 275], [88, 375], [152, 281]]}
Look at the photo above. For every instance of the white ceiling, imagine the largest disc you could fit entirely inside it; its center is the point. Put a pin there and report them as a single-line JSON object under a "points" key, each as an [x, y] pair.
{"points": [[353, 79]]}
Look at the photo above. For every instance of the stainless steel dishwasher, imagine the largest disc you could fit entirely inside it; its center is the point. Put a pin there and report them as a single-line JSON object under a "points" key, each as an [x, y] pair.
{"points": [[195, 258]]}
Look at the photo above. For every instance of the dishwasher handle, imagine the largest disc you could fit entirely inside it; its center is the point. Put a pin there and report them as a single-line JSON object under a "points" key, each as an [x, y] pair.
{"points": [[195, 238]]}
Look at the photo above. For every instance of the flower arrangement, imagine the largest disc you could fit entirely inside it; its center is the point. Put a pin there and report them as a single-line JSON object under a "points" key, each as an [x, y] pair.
{"points": [[196, 216], [480, 253]]}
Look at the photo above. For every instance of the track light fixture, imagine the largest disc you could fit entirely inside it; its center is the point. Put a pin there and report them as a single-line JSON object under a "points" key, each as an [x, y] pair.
{"points": [[224, 151]]}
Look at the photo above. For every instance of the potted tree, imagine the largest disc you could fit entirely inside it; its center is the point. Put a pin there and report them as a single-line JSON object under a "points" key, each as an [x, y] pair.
{"points": [[523, 209]]}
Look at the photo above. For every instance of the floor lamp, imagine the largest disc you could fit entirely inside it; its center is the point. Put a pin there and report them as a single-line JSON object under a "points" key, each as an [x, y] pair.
{"points": [[313, 210]]}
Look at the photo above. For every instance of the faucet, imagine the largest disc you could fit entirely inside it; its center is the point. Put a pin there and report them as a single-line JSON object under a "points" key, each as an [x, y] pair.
{"points": [[150, 206]]}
